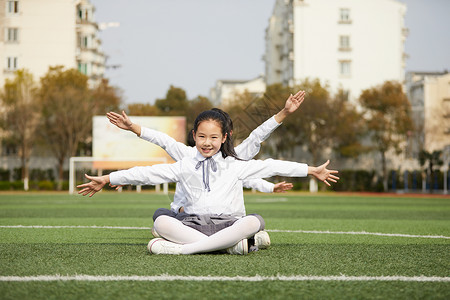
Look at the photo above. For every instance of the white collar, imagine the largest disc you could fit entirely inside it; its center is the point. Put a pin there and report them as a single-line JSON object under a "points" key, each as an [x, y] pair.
{"points": [[200, 157]]}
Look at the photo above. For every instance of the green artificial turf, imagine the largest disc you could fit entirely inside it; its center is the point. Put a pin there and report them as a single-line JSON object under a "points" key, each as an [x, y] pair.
{"points": [[309, 234]]}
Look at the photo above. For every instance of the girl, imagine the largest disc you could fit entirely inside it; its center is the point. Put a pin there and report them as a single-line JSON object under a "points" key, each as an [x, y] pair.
{"points": [[207, 181], [246, 150]]}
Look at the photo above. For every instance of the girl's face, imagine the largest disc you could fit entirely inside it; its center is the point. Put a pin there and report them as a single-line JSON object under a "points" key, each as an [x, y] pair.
{"points": [[209, 138]]}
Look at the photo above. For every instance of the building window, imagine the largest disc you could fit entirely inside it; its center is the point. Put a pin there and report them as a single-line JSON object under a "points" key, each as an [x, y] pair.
{"points": [[13, 7], [345, 68], [12, 34], [84, 14], [82, 67], [86, 41], [344, 95], [11, 63], [344, 43], [83, 42], [85, 68], [344, 16]]}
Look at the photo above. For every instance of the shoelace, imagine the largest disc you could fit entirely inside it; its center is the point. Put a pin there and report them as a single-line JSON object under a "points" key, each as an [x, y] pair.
{"points": [[210, 162]]}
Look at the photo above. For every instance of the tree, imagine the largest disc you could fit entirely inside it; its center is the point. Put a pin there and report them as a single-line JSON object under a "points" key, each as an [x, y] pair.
{"points": [[67, 111], [105, 98], [248, 111], [348, 127], [194, 108], [175, 102], [387, 114], [283, 141], [140, 109], [21, 116], [309, 126], [321, 123], [314, 126], [430, 160]]}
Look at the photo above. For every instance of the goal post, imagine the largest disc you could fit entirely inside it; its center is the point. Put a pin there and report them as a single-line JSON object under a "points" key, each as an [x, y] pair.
{"points": [[100, 164]]}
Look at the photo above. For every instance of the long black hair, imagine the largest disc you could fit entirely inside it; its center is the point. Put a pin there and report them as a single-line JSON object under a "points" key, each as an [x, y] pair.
{"points": [[227, 147], [227, 117], [229, 124]]}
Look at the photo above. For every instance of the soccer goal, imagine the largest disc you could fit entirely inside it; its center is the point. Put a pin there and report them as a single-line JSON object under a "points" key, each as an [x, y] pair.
{"points": [[96, 166]]}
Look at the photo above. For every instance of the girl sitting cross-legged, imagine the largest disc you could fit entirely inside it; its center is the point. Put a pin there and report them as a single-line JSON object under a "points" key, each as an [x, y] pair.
{"points": [[245, 150], [209, 221]]}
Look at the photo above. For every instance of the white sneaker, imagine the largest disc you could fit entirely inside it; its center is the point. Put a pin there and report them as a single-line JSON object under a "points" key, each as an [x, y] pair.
{"points": [[262, 240], [162, 246], [154, 233], [240, 248]]}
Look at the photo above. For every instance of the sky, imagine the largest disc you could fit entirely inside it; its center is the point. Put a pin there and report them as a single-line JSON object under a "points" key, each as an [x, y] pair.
{"points": [[192, 44]]}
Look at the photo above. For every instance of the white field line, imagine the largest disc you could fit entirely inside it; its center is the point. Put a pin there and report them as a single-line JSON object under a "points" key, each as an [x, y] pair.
{"points": [[268, 230], [74, 227], [222, 278], [363, 233], [268, 200]]}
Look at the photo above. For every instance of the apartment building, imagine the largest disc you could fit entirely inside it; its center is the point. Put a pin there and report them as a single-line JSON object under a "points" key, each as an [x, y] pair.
{"points": [[225, 90], [349, 44], [429, 94], [37, 34]]}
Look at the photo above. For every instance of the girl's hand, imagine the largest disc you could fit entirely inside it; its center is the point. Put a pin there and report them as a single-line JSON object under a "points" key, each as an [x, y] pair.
{"points": [[122, 121], [96, 185], [323, 174], [282, 187], [117, 187], [291, 105], [294, 101]]}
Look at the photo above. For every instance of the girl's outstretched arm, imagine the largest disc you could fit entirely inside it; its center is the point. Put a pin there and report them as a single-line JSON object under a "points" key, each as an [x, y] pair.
{"points": [[95, 185], [323, 174], [270, 167], [266, 186]]}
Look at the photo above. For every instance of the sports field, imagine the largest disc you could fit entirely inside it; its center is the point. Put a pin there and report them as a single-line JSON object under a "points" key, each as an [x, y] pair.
{"points": [[324, 246]]}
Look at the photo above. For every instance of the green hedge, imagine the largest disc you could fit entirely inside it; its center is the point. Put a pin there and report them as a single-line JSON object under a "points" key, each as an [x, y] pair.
{"points": [[44, 185], [4, 174], [350, 181], [358, 181]]}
